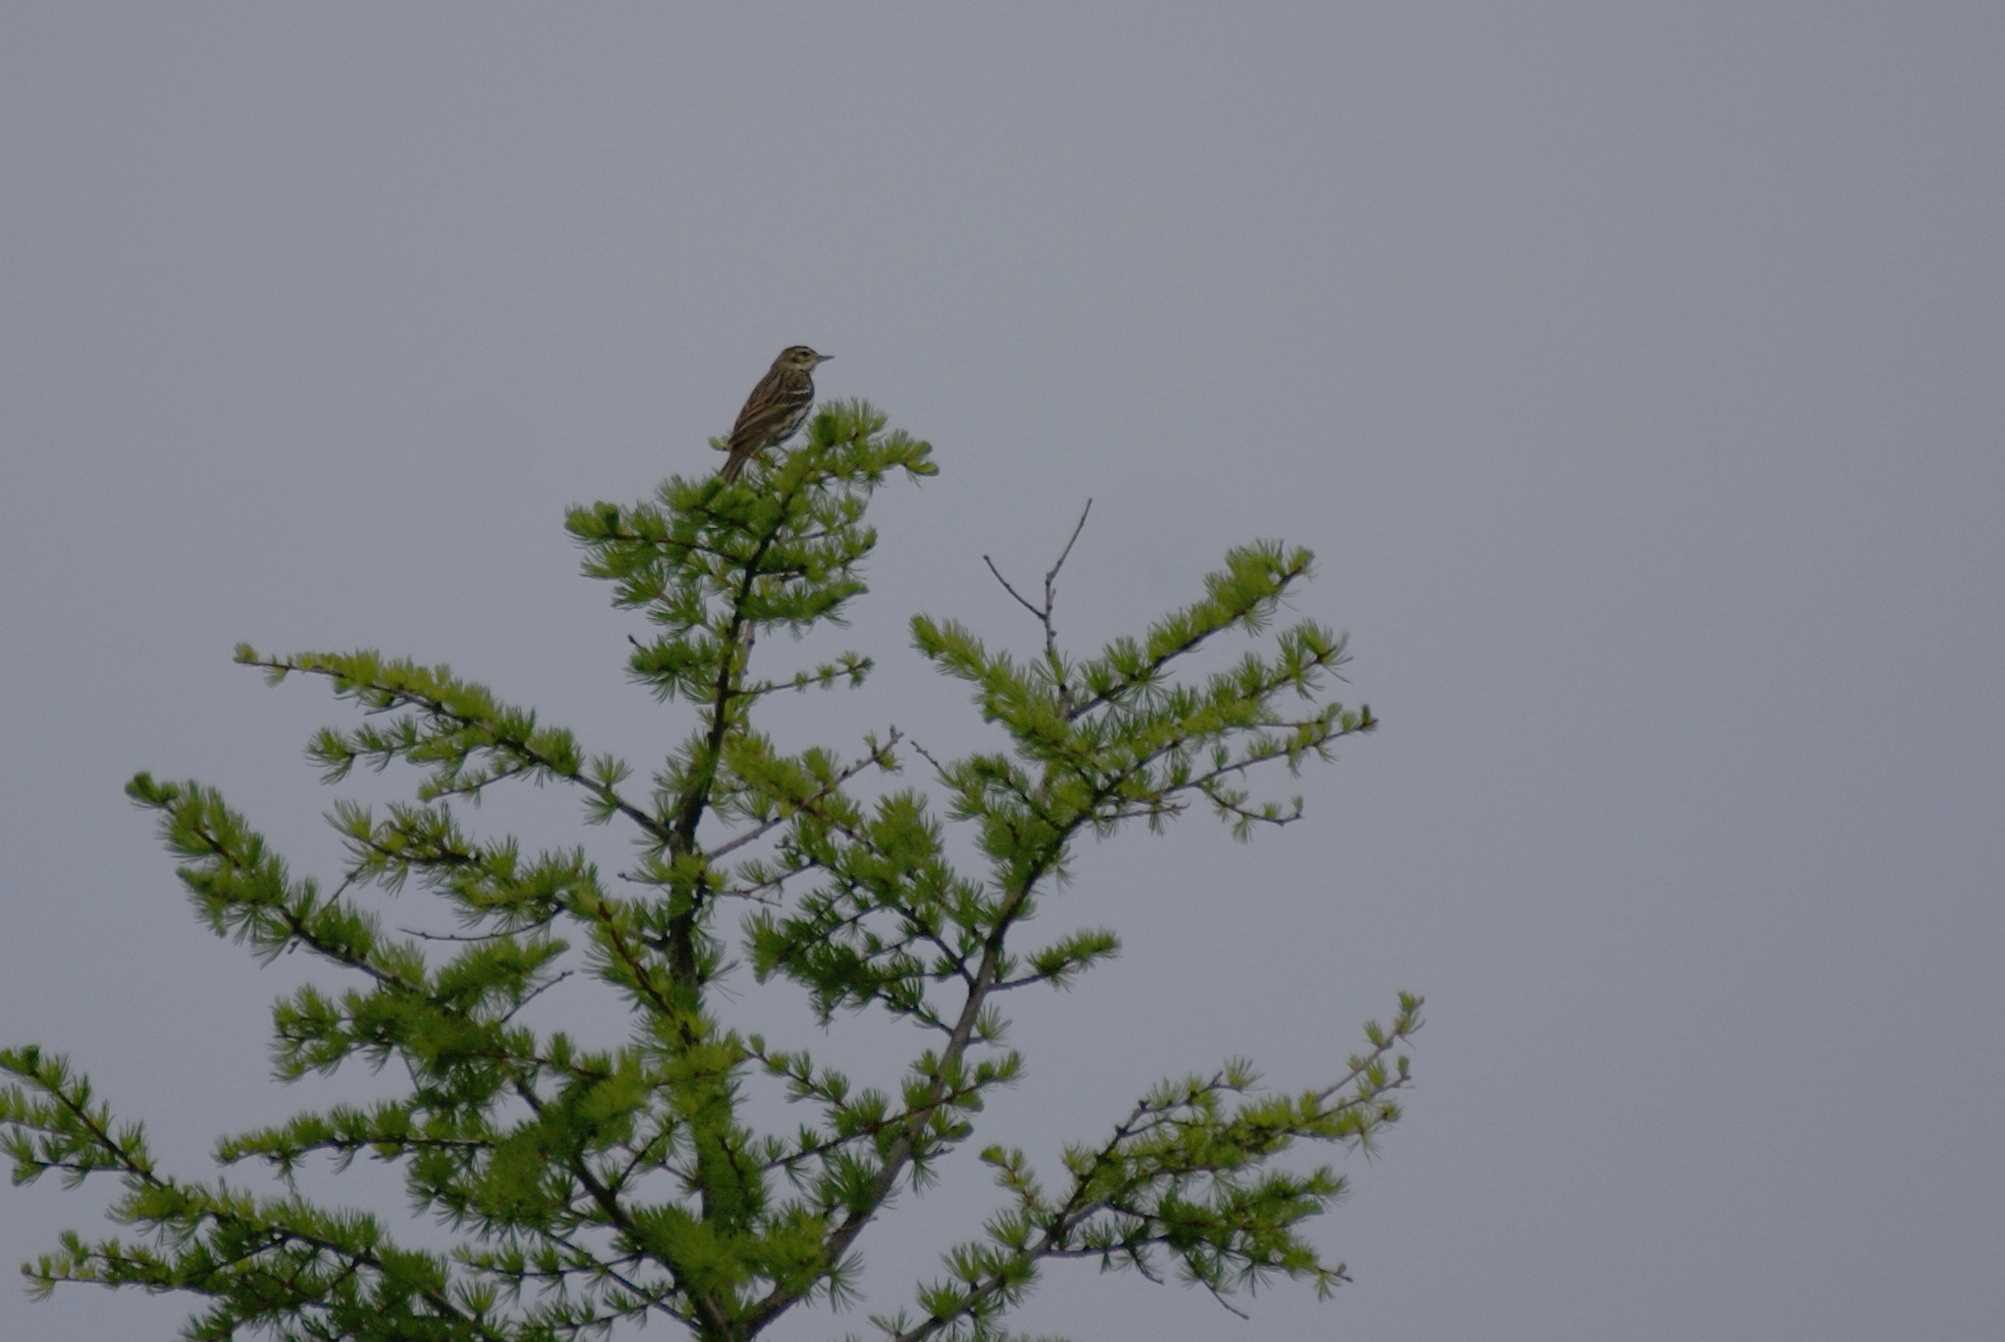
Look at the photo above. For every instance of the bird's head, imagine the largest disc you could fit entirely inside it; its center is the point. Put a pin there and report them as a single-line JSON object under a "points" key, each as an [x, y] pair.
{"points": [[801, 358]]}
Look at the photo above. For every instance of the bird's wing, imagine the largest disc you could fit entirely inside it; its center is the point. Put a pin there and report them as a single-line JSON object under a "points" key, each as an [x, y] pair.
{"points": [[765, 408]]}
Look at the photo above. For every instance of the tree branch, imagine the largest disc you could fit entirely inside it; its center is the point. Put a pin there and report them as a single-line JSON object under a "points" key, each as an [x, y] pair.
{"points": [[1043, 614]]}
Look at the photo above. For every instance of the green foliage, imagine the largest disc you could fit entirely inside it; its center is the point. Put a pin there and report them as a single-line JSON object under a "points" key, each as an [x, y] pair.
{"points": [[590, 1188]]}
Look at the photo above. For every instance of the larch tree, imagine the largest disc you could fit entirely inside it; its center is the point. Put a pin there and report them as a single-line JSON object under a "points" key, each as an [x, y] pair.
{"points": [[587, 1189]]}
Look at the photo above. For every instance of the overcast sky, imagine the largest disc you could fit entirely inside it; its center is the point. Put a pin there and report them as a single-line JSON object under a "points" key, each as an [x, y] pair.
{"points": [[1634, 371]]}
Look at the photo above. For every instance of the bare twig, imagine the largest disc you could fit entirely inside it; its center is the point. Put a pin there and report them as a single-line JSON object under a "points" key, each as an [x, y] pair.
{"points": [[423, 935], [754, 893], [1011, 590], [535, 993], [939, 769], [1044, 613], [758, 893], [1230, 1308], [1051, 576]]}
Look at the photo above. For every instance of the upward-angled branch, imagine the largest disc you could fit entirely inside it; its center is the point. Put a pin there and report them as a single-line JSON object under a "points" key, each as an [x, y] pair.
{"points": [[485, 725]]}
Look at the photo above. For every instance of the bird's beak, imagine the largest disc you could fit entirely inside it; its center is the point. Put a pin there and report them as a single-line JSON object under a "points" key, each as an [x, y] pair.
{"points": [[823, 358]]}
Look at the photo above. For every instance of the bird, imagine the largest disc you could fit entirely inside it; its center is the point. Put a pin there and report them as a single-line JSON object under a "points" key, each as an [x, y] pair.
{"points": [[775, 408]]}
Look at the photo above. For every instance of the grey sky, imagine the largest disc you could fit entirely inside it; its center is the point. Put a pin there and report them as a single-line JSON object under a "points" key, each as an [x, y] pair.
{"points": [[1633, 369]]}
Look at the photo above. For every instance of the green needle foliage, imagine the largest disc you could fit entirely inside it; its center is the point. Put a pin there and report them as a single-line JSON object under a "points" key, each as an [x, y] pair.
{"points": [[591, 1189]]}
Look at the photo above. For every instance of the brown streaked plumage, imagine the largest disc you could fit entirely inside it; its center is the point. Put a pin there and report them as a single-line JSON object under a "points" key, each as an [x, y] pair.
{"points": [[776, 407]]}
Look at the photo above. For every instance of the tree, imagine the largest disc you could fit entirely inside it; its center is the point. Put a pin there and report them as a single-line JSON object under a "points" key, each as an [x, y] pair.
{"points": [[592, 1187]]}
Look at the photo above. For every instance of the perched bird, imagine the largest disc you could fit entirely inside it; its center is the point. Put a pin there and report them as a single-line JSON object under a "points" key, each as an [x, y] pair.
{"points": [[775, 408]]}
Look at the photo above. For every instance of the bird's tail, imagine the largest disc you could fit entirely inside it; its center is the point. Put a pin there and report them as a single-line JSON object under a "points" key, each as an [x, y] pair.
{"points": [[731, 468]]}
